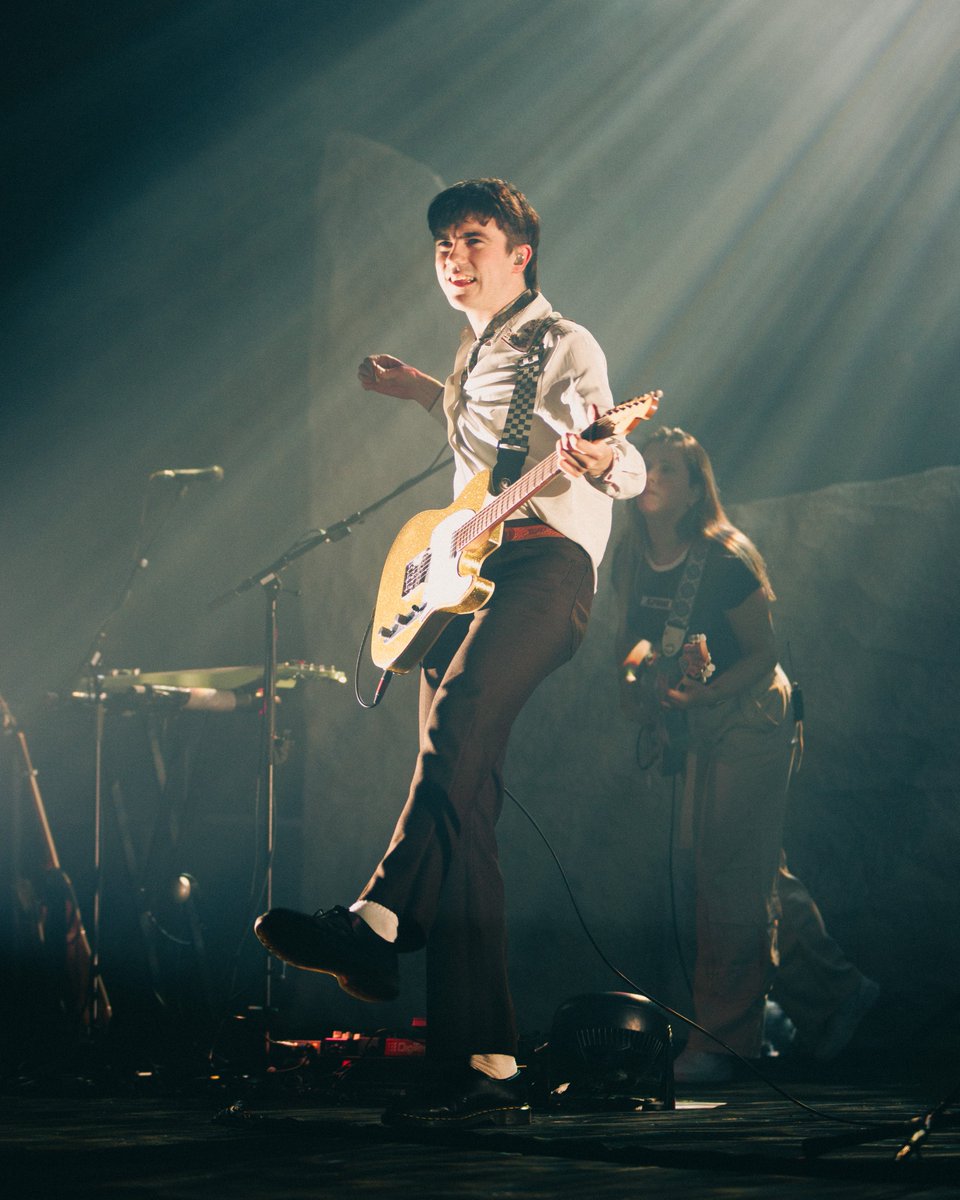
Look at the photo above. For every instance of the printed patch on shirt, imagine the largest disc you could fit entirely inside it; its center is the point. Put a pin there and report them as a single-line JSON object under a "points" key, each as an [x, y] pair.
{"points": [[655, 602]]}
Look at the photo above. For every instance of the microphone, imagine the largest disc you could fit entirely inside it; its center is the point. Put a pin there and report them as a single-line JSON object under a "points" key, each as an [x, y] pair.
{"points": [[191, 475]]}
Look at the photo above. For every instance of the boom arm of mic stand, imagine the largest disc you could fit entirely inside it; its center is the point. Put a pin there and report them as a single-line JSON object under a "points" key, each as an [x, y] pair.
{"points": [[334, 533]]}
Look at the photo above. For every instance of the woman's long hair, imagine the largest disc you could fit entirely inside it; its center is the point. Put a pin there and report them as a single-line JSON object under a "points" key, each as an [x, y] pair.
{"points": [[706, 518]]}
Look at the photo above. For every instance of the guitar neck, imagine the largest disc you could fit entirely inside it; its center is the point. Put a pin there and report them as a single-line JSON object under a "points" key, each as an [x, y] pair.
{"points": [[509, 500], [615, 421]]}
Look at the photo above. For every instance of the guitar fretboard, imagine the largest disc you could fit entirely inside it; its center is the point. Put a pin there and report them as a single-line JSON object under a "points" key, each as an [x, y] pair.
{"points": [[616, 420], [507, 502]]}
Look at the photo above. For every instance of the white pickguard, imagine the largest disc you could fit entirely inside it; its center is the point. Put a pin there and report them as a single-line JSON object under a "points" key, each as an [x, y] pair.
{"points": [[445, 586]]}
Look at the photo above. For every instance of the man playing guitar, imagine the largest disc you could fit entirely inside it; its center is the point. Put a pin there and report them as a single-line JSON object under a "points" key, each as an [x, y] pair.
{"points": [[439, 883]]}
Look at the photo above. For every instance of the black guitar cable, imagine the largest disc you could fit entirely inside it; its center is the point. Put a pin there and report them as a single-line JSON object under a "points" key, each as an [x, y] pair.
{"points": [[385, 676], [634, 987], [672, 872]]}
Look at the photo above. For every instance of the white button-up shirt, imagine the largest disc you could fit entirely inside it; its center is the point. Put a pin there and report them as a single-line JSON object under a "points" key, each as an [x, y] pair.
{"points": [[574, 378]]}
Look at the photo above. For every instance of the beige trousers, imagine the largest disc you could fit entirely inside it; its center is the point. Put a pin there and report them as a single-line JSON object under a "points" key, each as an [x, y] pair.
{"points": [[730, 823]]}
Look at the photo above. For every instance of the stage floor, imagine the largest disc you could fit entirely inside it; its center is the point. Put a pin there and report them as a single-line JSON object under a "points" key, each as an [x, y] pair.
{"points": [[256, 1138]]}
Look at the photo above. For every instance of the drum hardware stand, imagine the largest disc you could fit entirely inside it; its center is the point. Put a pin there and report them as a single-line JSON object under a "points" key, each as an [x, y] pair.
{"points": [[135, 877], [157, 863], [268, 578]]}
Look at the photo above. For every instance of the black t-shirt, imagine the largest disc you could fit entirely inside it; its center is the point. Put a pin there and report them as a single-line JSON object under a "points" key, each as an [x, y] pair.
{"points": [[727, 581]]}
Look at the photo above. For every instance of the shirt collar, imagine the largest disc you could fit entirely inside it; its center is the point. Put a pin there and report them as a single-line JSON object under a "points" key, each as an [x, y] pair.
{"points": [[497, 324], [500, 319]]}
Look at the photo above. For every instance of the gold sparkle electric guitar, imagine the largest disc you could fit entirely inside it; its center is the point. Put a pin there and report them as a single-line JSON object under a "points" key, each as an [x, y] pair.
{"points": [[432, 571]]}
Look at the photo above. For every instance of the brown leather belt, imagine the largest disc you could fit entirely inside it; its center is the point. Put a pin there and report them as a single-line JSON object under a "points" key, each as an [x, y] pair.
{"points": [[519, 533]]}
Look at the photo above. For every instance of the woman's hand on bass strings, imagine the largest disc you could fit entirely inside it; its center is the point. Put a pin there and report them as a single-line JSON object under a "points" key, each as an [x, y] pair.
{"points": [[689, 693]]}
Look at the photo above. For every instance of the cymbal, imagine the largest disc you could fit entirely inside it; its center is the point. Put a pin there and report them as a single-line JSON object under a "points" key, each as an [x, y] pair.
{"points": [[221, 678]]}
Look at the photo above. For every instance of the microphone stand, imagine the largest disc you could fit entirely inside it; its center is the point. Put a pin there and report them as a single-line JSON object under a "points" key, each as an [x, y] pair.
{"points": [[268, 578], [91, 675], [335, 533]]}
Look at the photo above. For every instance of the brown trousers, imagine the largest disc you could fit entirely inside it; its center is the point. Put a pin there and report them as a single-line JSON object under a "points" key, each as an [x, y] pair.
{"points": [[441, 873]]}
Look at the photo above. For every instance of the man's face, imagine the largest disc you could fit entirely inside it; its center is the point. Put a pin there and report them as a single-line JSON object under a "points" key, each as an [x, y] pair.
{"points": [[476, 270]]}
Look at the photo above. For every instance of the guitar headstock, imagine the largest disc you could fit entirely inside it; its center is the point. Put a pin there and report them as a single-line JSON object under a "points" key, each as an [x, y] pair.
{"points": [[695, 660], [617, 422], [305, 670]]}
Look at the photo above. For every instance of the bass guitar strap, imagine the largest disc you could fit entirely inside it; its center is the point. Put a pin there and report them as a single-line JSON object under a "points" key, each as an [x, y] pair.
{"points": [[674, 750], [681, 606]]}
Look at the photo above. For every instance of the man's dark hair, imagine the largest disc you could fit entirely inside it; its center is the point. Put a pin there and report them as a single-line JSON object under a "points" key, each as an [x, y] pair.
{"points": [[486, 200]]}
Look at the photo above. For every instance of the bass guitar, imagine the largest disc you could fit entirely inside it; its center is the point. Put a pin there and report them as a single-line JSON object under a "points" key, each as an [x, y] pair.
{"points": [[647, 677], [432, 570]]}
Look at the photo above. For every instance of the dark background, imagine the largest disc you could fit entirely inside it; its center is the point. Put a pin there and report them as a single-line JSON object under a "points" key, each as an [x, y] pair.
{"points": [[213, 209]]}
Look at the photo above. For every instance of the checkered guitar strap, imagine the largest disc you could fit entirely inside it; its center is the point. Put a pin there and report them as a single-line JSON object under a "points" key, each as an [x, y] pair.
{"points": [[514, 441]]}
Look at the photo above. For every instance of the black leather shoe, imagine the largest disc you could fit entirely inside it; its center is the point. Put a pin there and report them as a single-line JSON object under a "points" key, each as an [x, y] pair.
{"points": [[469, 1099], [336, 942]]}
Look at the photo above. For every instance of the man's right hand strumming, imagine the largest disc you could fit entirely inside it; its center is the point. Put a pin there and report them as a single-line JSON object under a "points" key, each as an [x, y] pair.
{"points": [[393, 377]]}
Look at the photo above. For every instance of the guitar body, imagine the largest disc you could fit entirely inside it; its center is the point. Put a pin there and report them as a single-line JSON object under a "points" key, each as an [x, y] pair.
{"points": [[426, 582], [432, 572]]}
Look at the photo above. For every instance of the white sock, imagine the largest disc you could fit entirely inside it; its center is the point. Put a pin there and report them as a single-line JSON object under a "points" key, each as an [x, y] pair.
{"points": [[496, 1066], [381, 920]]}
